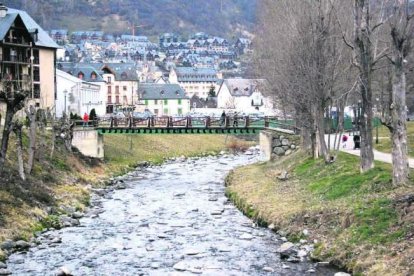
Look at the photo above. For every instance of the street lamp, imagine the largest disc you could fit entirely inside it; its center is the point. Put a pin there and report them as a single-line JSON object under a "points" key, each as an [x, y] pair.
{"points": [[65, 92]]}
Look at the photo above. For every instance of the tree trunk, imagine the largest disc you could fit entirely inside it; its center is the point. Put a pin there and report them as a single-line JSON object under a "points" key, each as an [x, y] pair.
{"points": [[400, 169], [320, 130], [8, 127], [364, 56], [17, 129], [31, 114], [367, 151]]}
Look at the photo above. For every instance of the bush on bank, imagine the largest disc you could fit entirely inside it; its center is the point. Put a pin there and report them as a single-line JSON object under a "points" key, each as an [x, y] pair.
{"points": [[355, 220]]}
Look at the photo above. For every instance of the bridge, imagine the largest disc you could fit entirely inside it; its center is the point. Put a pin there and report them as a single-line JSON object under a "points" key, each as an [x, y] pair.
{"points": [[88, 137], [188, 125]]}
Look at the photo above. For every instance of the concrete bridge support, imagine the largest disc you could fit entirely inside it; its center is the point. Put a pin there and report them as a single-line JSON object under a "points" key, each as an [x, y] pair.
{"points": [[89, 142]]}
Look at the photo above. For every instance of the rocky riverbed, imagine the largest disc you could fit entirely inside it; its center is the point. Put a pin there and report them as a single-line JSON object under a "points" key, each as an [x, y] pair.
{"points": [[172, 219]]}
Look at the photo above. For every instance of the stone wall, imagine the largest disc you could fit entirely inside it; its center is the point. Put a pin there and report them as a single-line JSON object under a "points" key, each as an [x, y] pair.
{"points": [[275, 144]]}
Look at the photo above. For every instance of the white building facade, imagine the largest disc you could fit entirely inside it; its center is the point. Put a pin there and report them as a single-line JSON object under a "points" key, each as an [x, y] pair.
{"points": [[77, 96], [244, 95]]}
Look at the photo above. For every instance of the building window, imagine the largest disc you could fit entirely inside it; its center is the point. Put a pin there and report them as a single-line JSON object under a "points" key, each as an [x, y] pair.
{"points": [[93, 76], [180, 111], [36, 73], [109, 79], [117, 89], [165, 111], [179, 101], [36, 56], [125, 88], [156, 112], [155, 101], [109, 99], [146, 102], [109, 89], [125, 100], [165, 102], [36, 91], [117, 99]]}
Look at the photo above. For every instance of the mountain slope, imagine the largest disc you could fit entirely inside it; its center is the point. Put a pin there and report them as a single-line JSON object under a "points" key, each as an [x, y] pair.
{"points": [[217, 17]]}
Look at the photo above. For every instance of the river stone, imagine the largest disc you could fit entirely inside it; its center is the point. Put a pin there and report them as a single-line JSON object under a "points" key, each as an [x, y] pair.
{"points": [[3, 265], [268, 269], [22, 245], [246, 236], [181, 266], [302, 253], [288, 152], [292, 146], [287, 249], [279, 151], [77, 215], [342, 274], [248, 152], [285, 266], [63, 271], [8, 245], [277, 143], [192, 251], [285, 148], [4, 271], [217, 212], [155, 265], [285, 142]]}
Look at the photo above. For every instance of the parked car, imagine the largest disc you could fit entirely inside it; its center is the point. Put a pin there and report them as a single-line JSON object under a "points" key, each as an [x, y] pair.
{"points": [[142, 115], [118, 115]]}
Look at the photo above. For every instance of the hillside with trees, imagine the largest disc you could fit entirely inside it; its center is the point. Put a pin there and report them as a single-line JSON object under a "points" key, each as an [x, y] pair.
{"points": [[150, 17]]}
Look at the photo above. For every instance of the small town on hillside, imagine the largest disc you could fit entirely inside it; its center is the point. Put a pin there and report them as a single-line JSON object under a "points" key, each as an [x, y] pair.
{"points": [[84, 70], [219, 137]]}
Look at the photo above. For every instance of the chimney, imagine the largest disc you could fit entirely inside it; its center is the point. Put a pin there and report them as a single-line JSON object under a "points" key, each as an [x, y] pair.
{"points": [[3, 10]]}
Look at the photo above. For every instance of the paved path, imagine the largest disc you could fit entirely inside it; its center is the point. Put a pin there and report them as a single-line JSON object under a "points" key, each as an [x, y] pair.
{"points": [[379, 156]]}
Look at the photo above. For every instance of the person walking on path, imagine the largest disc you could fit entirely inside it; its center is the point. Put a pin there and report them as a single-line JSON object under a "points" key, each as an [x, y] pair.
{"points": [[357, 142], [223, 118], [85, 119], [344, 140]]}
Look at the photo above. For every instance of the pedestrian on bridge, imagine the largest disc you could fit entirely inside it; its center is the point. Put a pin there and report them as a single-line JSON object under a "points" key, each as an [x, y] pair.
{"points": [[235, 120], [85, 119], [223, 118]]}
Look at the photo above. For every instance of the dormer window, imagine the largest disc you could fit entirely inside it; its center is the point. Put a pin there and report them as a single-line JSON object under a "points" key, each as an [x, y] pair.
{"points": [[81, 75], [93, 76]]}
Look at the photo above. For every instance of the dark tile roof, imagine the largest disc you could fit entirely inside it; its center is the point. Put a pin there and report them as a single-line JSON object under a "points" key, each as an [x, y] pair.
{"points": [[44, 40], [193, 74], [154, 91]]}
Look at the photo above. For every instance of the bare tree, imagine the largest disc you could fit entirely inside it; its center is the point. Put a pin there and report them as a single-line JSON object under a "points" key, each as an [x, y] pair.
{"points": [[31, 116], [401, 35], [15, 100], [302, 56]]}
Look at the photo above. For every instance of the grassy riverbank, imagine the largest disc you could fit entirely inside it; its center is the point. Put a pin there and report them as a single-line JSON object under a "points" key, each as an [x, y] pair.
{"points": [[357, 220], [384, 141], [63, 183]]}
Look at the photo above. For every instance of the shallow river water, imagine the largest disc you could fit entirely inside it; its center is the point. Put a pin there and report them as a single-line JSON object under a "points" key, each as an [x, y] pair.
{"points": [[170, 220]]}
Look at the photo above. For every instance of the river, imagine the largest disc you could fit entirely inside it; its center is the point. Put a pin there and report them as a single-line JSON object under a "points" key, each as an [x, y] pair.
{"points": [[172, 219]]}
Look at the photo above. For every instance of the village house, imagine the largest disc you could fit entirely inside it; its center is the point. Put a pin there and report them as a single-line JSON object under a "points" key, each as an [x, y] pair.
{"points": [[59, 36], [163, 99], [27, 56], [195, 81], [121, 85], [77, 96], [244, 95]]}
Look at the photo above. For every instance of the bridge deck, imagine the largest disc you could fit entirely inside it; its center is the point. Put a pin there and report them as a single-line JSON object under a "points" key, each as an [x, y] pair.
{"points": [[187, 125]]}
